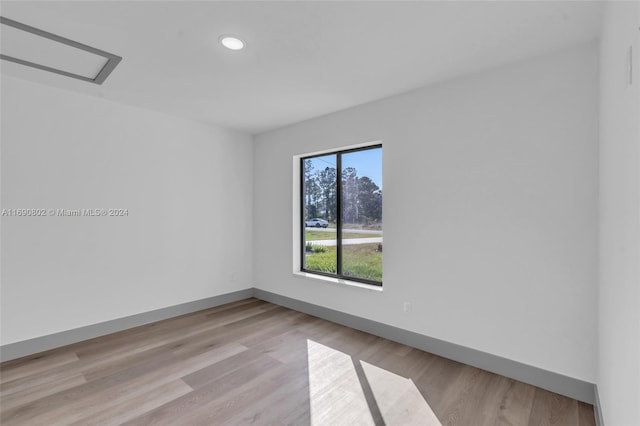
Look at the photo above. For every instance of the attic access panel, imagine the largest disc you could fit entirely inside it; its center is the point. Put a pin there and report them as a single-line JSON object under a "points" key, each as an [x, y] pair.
{"points": [[36, 48]]}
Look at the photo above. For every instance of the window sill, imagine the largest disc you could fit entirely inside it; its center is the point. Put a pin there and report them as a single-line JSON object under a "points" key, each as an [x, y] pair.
{"points": [[338, 281]]}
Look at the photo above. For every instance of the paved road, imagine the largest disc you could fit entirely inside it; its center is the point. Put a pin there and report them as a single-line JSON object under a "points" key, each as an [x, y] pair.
{"points": [[346, 242], [359, 231]]}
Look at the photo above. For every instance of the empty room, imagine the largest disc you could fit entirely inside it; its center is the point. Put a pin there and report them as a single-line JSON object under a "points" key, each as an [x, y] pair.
{"points": [[320, 213]]}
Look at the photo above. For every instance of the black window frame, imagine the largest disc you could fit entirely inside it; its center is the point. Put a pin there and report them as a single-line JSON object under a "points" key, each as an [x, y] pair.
{"points": [[339, 215]]}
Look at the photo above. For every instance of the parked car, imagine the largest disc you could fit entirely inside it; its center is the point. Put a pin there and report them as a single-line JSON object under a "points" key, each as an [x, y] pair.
{"points": [[316, 222]]}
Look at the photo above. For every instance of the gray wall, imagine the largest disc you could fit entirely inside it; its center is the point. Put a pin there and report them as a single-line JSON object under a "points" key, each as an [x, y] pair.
{"points": [[490, 210], [619, 283], [187, 186]]}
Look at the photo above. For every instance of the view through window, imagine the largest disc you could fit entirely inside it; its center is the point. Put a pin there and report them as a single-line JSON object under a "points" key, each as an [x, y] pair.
{"points": [[341, 208]]}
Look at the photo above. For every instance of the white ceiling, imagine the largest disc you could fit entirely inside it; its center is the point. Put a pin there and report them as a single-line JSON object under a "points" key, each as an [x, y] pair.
{"points": [[303, 59]]}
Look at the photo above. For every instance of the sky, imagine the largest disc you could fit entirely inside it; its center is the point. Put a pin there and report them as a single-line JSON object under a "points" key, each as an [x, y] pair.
{"points": [[367, 163]]}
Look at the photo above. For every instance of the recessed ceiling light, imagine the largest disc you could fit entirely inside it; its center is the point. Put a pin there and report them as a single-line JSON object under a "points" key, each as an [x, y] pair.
{"points": [[231, 42]]}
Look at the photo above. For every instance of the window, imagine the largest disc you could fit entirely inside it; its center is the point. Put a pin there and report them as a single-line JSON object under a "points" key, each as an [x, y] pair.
{"points": [[341, 211]]}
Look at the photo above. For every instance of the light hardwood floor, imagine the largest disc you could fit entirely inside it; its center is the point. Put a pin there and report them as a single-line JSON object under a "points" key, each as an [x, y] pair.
{"points": [[252, 362]]}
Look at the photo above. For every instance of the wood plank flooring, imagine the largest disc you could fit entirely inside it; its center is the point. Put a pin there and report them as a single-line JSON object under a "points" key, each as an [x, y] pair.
{"points": [[252, 362]]}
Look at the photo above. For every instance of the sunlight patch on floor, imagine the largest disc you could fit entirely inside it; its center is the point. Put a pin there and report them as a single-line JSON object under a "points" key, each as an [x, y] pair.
{"points": [[335, 394], [398, 399], [348, 391]]}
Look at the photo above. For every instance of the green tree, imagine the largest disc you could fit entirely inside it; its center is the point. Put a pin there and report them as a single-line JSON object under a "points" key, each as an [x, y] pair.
{"points": [[350, 205], [326, 182], [369, 199], [311, 190]]}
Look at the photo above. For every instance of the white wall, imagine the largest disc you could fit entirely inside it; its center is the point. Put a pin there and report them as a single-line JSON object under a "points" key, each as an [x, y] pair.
{"points": [[490, 186], [188, 188], [619, 283]]}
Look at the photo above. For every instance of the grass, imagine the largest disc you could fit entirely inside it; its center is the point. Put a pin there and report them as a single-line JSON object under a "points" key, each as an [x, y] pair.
{"points": [[369, 226], [362, 261], [322, 262], [359, 260], [312, 235]]}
